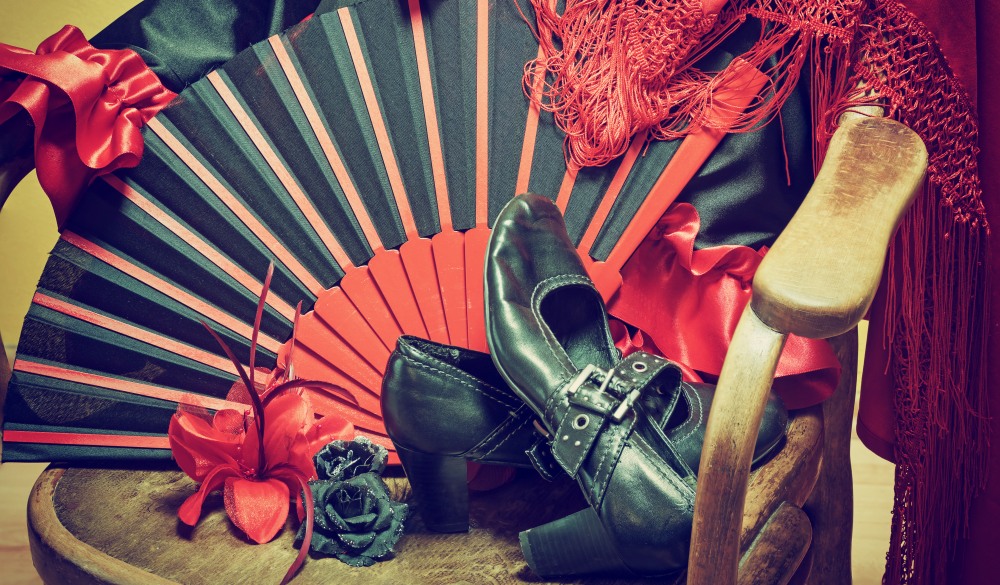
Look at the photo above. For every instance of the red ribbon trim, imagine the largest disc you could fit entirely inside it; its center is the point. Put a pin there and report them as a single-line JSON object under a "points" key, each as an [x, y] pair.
{"points": [[87, 105], [689, 302]]}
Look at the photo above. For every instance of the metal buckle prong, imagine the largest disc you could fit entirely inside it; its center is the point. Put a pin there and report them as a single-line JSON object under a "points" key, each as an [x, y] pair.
{"points": [[626, 405], [580, 378]]}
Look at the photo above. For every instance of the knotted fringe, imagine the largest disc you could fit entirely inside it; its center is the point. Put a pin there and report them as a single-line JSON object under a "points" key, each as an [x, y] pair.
{"points": [[937, 307], [614, 69]]}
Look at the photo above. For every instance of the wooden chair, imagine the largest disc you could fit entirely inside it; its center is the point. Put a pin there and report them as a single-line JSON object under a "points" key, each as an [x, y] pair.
{"points": [[108, 525]]}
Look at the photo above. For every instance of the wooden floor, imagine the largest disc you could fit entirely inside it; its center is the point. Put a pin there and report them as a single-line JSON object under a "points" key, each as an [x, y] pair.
{"points": [[872, 493]]}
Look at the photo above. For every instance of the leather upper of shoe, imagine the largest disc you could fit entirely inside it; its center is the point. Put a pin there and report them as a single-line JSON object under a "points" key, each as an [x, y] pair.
{"points": [[451, 401], [544, 319], [548, 334], [686, 421]]}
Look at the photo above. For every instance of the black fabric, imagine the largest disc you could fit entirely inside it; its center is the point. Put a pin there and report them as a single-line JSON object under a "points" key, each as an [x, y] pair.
{"points": [[182, 40]]}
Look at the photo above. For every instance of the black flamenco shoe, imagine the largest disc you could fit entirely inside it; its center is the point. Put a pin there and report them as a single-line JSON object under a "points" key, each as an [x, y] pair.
{"points": [[547, 330], [445, 405]]}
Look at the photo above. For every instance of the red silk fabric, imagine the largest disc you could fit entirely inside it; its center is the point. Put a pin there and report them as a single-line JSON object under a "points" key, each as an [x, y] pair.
{"points": [[87, 106], [690, 301]]}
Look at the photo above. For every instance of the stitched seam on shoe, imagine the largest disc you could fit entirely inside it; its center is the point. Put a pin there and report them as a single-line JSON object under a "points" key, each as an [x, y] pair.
{"points": [[457, 379], [458, 372], [499, 429], [506, 438], [557, 398], [558, 438], [701, 417], [615, 446], [657, 466]]}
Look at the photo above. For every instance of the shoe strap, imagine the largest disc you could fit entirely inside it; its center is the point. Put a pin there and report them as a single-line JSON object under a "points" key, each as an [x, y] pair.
{"points": [[540, 455], [597, 397]]}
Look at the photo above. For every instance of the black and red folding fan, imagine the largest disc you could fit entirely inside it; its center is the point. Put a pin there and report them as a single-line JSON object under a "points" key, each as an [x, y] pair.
{"points": [[365, 152]]}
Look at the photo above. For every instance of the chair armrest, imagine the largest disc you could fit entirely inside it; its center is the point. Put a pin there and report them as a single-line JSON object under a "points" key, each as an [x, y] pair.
{"points": [[817, 281]]}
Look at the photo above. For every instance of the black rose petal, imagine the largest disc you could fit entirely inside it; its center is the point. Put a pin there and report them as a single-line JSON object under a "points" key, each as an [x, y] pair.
{"points": [[356, 520], [342, 460]]}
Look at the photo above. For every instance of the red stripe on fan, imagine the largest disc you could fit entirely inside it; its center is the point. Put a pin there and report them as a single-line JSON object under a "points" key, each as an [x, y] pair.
{"points": [[378, 125], [280, 171], [530, 130], [202, 247], [230, 201], [610, 195], [326, 143], [134, 332], [127, 386], [178, 294], [729, 102], [566, 189], [85, 439], [430, 115], [482, 111]]}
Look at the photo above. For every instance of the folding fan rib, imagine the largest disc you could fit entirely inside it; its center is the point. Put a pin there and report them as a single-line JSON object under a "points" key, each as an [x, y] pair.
{"points": [[399, 73], [178, 294], [86, 439], [118, 384], [692, 153], [378, 124], [430, 116], [530, 129], [266, 237], [331, 152], [281, 172], [137, 333], [408, 276], [199, 245]]}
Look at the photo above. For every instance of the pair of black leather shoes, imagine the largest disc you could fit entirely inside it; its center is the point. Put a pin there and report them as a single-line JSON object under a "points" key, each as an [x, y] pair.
{"points": [[560, 399]]}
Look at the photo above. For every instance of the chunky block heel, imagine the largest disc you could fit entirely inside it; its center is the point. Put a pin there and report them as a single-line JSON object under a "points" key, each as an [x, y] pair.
{"points": [[574, 545], [440, 488]]}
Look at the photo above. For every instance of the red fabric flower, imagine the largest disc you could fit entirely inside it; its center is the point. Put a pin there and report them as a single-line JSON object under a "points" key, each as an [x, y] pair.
{"points": [[260, 456], [223, 452], [87, 105]]}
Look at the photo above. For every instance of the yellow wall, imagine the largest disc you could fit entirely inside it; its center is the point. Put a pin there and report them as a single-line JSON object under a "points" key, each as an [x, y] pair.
{"points": [[27, 227]]}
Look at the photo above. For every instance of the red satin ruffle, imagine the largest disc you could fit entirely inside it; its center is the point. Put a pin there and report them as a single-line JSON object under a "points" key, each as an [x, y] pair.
{"points": [[87, 106], [684, 304]]}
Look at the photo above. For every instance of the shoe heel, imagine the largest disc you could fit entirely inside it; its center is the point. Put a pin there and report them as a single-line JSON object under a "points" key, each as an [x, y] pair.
{"points": [[440, 487], [573, 545]]}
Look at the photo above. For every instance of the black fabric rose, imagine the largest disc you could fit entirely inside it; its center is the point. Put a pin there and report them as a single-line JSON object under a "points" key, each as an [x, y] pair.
{"points": [[356, 520], [342, 460]]}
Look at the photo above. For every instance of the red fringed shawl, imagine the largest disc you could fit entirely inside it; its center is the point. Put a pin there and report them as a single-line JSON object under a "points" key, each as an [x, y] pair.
{"points": [[618, 68]]}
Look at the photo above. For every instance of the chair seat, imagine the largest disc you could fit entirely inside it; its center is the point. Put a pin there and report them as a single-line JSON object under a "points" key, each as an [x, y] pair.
{"points": [[101, 525]]}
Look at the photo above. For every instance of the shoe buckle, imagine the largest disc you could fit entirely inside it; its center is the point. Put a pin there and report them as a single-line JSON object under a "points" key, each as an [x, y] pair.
{"points": [[605, 378]]}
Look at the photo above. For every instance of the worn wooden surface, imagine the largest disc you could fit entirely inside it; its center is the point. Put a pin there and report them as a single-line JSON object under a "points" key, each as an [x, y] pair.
{"points": [[113, 525], [821, 274], [737, 408], [831, 506], [775, 554]]}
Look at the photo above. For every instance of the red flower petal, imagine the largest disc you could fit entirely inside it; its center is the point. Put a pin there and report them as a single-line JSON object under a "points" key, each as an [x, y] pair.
{"points": [[258, 508], [198, 447], [327, 429], [190, 510], [289, 419]]}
